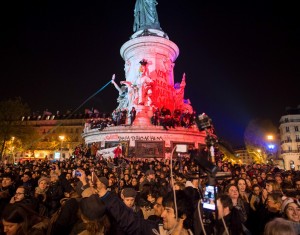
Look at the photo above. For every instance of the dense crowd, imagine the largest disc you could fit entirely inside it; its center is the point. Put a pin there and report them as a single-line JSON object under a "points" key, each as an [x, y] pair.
{"points": [[92, 195]]}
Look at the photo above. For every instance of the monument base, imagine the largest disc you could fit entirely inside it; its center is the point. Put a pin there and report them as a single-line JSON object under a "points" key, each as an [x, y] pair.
{"points": [[143, 115]]}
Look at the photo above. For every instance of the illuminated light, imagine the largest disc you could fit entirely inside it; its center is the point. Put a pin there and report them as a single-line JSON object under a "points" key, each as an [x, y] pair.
{"points": [[271, 146], [270, 137]]}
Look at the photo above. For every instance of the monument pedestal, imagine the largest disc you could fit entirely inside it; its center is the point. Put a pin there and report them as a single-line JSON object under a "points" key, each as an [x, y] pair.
{"points": [[143, 115]]}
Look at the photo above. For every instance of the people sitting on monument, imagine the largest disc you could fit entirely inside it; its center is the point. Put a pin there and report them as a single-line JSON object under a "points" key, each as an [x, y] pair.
{"points": [[176, 117], [166, 119], [185, 119], [132, 115], [155, 117]]}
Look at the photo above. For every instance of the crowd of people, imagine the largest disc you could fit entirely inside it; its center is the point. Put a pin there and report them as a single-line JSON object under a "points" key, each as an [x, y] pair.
{"points": [[161, 117], [92, 195]]}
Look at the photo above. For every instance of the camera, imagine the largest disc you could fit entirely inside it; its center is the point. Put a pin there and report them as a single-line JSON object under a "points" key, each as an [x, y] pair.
{"points": [[53, 168], [209, 197], [76, 173]]}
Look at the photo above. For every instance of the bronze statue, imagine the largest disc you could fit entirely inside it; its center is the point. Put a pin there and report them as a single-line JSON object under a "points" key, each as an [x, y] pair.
{"points": [[145, 15]]}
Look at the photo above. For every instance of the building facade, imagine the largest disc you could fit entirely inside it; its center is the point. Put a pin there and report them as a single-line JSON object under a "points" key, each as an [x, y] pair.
{"points": [[53, 134], [289, 129]]}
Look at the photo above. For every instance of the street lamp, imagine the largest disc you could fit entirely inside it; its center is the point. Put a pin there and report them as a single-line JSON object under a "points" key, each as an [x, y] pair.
{"points": [[270, 150], [61, 137]]}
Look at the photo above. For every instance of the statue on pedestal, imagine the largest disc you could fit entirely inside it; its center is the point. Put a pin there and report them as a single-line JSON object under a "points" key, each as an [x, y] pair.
{"points": [[145, 15]]}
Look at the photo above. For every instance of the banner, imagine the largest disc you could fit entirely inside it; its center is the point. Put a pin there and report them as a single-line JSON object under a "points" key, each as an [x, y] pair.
{"points": [[106, 153]]}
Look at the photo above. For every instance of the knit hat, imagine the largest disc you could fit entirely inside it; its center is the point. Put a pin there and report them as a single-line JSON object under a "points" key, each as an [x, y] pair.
{"points": [[129, 192], [92, 207], [285, 203], [104, 181], [43, 178]]}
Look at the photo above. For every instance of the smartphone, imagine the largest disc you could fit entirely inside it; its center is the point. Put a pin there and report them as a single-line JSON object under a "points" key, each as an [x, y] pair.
{"points": [[76, 173], [209, 197]]}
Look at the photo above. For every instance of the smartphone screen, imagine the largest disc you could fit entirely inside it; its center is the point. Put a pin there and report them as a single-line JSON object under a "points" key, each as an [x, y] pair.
{"points": [[209, 198]]}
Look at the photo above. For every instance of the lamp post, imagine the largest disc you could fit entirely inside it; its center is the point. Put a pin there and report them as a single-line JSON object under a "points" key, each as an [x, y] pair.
{"points": [[270, 147], [61, 137]]}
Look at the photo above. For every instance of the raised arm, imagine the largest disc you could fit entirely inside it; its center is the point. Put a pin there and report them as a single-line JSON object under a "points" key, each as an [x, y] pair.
{"points": [[115, 84]]}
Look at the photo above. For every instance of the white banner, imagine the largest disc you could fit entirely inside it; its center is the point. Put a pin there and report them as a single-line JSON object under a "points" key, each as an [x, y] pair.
{"points": [[106, 153]]}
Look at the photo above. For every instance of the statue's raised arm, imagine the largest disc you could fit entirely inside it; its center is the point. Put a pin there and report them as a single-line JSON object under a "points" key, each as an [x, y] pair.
{"points": [[145, 15], [115, 84]]}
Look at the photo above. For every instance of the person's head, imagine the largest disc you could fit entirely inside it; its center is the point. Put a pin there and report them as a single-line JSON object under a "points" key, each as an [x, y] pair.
{"points": [[19, 219], [272, 185], [232, 191], [158, 206], [274, 201], [54, 178], [7, 180], [69, 176], [128, 196], [278, 178], [263, 175], [92, 213], [179, 185], [21, 193], [297, 184], [254, 181], [134, 182], [43, 182], [183, 208], [279, 226], [150, 174], [126, 177], [256, 189], [242, 185], [26, 176], [291, 209], [224, 205], [102, 183]]}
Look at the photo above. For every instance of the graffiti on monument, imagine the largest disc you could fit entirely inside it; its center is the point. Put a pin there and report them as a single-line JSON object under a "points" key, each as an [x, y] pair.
{"points": [[149, 149], [116, 137]]}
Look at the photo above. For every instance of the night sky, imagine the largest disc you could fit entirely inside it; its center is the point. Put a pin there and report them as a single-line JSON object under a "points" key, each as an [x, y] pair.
{"points": [[241, 58]]}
